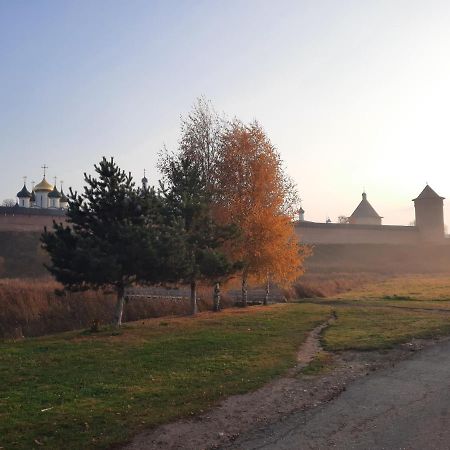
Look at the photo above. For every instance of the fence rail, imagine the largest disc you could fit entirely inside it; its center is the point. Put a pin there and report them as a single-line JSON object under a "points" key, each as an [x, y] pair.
{"points": [[254, 296], [152, 296]]}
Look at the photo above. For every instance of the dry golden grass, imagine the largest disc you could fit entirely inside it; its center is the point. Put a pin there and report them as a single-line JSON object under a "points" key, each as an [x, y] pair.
{"points": [[408, 287], [31, 307], [318, 285]]}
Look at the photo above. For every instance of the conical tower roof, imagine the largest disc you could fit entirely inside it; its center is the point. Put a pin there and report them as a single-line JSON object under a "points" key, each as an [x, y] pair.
{"points": [[54, 194], [365, 209], [144, 180], [428, 193], [64, 198], [24, 193]]}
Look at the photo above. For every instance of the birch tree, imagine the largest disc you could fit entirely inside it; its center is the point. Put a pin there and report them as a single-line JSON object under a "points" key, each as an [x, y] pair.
{"points": [[197, 156], [254, 192]]}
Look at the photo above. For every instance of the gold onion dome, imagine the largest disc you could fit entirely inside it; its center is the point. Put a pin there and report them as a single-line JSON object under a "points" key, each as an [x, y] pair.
{"points": [[44, 185]]}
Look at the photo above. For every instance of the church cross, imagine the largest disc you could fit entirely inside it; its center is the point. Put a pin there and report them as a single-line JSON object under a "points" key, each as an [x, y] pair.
{"points": [[44, 167], [25, 180]]}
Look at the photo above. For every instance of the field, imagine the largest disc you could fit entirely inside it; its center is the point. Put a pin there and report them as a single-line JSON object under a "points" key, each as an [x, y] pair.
{"points": [[35, 307], [83, 390], [419, 288], [389, 311], [79, 390]]}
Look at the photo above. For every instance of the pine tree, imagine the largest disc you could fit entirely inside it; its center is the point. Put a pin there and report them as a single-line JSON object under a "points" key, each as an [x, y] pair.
{"points": [[188, 201], [115, 236]]}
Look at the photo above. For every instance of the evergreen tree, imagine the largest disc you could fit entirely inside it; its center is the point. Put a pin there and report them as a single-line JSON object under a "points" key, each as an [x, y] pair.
{"points": [[115, 236], [188, 201]]}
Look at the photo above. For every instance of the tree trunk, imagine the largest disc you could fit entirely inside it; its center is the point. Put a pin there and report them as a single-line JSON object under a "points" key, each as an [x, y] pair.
{"points": [[119, 306], [266, 298], [194, 308], [216, 300], [244, 290]]}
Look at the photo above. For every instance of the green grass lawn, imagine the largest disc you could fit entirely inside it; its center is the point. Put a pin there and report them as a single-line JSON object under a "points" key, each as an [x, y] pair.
{"points": [[80, 391], [385, 313], [371, 328]]}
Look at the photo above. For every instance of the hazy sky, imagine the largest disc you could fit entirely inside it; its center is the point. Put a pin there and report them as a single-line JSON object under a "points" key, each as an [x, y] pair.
{"points": [[354, 94]]}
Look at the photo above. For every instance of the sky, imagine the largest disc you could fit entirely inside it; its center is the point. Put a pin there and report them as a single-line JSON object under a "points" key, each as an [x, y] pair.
{"points": [[355, 95]]}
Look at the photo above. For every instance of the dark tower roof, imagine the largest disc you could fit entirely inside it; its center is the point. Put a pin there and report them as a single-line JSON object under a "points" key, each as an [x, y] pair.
{"points": [[365, 209], [427, 193], [64, 198], [54, 194], [144, 180], [24, 192]]}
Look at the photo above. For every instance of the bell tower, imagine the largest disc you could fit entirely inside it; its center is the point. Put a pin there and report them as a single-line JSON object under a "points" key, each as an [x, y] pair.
{"points": [[429, 208]]}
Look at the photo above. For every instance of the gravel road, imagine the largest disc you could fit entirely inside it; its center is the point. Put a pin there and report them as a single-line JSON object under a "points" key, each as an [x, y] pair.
{"points": [[403, 407]]}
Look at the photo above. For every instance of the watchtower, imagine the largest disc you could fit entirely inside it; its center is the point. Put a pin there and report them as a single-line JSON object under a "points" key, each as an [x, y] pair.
{"points": [[429, 208], [365, 214]]}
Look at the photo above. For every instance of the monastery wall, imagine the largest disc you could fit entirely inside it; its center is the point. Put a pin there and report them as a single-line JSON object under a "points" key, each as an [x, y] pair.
{"points": [[308, 232], [336, 233], [28, 222]]}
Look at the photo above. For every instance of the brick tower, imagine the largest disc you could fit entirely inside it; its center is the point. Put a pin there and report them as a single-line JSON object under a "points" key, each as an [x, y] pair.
{"points": [[429, 208]]}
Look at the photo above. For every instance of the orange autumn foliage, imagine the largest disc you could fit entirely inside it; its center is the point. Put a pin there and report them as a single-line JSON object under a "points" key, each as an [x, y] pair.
{"points": [[251, 193]]}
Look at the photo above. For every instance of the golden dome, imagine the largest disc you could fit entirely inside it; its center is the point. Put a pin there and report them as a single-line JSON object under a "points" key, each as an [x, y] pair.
{"points": [[44, 185]]}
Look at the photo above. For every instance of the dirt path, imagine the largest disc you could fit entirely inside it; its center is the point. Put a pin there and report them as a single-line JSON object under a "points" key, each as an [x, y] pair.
{"points": [[241, 413], [311, 347]]}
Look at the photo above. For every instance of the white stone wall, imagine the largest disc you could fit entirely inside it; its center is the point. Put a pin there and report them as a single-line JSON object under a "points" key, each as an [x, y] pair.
{"points": [[54, 202], [42, 199], [24, 202]]}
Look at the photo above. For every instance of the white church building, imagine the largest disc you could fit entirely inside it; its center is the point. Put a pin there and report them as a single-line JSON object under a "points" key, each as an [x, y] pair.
{"points": [[44, 196]]}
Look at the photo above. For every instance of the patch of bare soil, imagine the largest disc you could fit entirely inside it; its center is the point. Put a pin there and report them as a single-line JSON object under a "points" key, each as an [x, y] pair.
{"points": [[311, 347], [219, 426]]}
